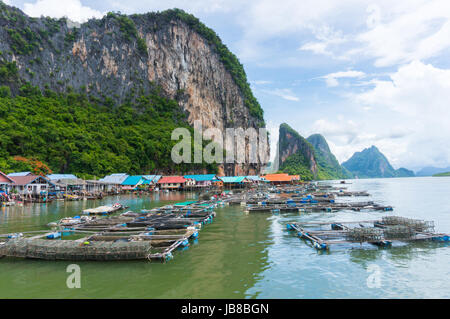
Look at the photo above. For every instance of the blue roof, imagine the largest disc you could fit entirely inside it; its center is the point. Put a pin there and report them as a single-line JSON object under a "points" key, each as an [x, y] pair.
{"points": [[53, 177], [133, 180], [19, 174], [152, 178], [202, 177], [232, 179]]}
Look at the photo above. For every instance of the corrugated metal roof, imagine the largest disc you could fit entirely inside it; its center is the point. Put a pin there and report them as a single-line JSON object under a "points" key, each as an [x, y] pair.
{"points": [[172, 180], [153, 178], [25, 180], [133, 180], [202, 177], [232, 179], [19, 174], [61, 176], [255, 178], [115, 178]]}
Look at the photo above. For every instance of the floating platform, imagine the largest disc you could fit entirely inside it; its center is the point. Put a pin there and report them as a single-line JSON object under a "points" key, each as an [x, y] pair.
{"points": [[149, 246], [308, 207], [150, 235], [377, 232]]}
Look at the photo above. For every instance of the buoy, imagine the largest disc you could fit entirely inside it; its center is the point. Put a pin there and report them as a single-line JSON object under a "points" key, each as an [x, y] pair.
{"points": [[194, 235], [168, 256], [54, 235]]}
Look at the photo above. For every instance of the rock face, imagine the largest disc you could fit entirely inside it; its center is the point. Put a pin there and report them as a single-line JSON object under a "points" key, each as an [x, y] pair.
{"points": [[296, 154], [371, 163], [119, 58], [327, 162]]}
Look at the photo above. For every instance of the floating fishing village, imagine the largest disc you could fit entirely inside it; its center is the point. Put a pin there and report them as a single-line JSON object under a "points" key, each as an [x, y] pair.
{"points": [[109, 233]]}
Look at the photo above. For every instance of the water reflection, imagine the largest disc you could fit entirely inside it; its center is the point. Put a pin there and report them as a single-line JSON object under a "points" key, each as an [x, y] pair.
{"points": [[228, 258], [250, 255]]}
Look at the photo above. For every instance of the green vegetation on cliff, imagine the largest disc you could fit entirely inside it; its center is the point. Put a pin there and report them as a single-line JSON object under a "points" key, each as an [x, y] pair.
{"points": [[329, 167], [312, 158], [442, 174], [75, 134], [297, 164], [300, 162]]}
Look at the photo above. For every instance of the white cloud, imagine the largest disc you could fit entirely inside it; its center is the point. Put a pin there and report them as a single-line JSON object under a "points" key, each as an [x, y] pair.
{"points": [[328, 40], [414, 102], [191, 6], [388, 32], [261, 82], [73, 9], [415, 32], [286, 94], [346, 136], [332, 78]]}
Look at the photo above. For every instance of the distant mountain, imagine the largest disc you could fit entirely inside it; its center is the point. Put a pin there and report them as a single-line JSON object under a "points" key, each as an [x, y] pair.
{"points": [[295, 154], [403, 172], [329, 167], [310, 158], [430, 171], [442, 174], [371, 163]]}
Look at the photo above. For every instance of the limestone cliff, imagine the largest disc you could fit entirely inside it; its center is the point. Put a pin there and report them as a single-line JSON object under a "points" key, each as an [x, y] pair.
{"points": [[296, 154], [329, 167], [311, 158], [118, 58]]}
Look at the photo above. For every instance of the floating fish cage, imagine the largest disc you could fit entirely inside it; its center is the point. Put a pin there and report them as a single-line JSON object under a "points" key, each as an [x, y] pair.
{"points": [[363, 234], [415, 224], [150, 246], [316, 207], [379, 232], [152, 235]]}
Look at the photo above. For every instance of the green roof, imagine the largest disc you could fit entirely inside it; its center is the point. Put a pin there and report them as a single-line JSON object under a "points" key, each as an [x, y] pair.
{"points": [[232, 179], [202, 177], [185, 203]]}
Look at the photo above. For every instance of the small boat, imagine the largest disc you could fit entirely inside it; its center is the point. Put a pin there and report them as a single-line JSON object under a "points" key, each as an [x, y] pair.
{"points": [[103, 210]]}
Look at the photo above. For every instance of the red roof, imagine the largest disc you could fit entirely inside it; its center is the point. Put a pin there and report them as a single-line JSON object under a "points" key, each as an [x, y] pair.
{"points": [[172, 180], [5, 179], [279, 177], [25, 180]]}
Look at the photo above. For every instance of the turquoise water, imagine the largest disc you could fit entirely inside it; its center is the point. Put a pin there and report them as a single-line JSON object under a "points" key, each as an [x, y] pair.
{"points": [[251, 255]]}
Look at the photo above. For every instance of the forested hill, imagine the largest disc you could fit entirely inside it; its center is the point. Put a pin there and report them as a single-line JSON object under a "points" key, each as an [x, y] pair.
{"points": [[310, 158], [71, 133], [329, 167], [104, 96], [371, 163], [296, 154]]}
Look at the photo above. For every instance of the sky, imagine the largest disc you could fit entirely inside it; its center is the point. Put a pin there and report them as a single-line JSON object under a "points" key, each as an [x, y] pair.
{"points": [[360, 73]]}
